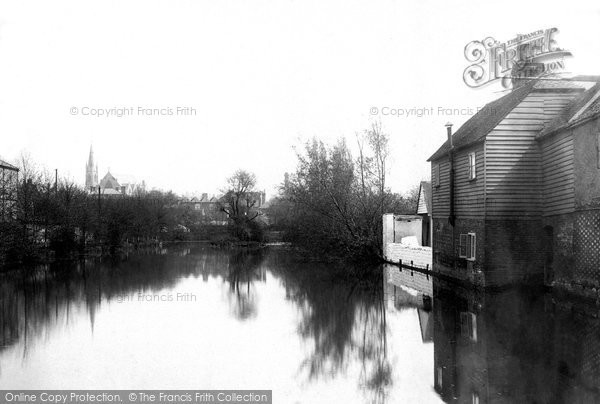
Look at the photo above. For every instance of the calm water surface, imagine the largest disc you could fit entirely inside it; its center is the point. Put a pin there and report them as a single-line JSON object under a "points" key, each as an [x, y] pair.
{"points": [[192, 317]]}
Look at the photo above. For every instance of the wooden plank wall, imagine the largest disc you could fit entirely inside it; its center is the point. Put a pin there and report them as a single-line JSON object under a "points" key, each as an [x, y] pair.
{"points": [[422, 204], [440, 195], [558, 174], [469, 194], [514, 186]]}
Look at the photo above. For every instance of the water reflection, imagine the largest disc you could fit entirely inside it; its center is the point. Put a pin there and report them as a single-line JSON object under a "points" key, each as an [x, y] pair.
{"points": [[344, 323], [514, 346], [257, 316], [244, 269], [263, 319]]}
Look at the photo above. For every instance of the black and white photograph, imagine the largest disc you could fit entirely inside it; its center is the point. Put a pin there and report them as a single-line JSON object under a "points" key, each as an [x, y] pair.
{"points": [[299, 201]]}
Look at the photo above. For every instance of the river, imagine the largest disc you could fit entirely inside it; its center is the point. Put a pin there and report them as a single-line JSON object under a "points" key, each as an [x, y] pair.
{"points": [[195, 317]]}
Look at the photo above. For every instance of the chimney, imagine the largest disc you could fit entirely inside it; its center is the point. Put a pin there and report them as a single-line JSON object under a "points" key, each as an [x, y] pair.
{"points": [[449, 130]]}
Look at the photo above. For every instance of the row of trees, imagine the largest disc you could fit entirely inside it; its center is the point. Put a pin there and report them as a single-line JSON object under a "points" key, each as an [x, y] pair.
{"points": [[333, 203], [56, 216]]}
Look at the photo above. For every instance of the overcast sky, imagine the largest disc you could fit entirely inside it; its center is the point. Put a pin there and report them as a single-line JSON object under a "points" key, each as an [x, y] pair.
{"points": [[262, 76]]}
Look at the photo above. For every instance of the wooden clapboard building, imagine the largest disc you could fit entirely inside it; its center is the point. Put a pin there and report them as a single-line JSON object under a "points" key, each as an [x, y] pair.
{"points": [[498, 182], [570, 151], [424, 210]]}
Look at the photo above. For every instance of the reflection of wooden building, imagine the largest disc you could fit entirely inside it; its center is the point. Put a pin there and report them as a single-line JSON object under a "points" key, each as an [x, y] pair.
{"points": [[513, 347], [8, 191]]}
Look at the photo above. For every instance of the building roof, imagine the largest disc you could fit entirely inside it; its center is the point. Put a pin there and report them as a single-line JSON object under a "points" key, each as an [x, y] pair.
{"points": [[580, 109], [7, 165], [109, 181], [486, 119], [424, 198], [203, 199]]}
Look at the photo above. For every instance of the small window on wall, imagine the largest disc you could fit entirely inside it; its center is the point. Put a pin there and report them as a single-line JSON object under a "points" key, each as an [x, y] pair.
{"points": [[472, 166], [474, 398], [467, 246], [436, 174], [468, 325], [439, 377]]}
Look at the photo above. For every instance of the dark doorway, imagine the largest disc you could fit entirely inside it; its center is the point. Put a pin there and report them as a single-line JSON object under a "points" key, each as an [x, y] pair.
{"points": [[548, 245], [426, 231]]}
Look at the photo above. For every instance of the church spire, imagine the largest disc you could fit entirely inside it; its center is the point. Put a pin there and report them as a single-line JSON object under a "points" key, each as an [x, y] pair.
{"points": [[91, 157], [91, 171]]}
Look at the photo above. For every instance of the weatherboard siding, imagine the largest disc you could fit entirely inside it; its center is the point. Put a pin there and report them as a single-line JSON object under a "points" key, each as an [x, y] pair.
{"points": [[558, 174], [440, 195], [468, 194], [514, 169], [422, 205]]}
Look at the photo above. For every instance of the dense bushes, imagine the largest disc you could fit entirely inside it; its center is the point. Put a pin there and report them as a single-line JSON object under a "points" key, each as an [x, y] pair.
{"points": [[333, 203]]}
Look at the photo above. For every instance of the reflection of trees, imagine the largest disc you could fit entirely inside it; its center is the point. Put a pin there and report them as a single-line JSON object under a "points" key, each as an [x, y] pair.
{"points": [[244, 269], [45, 297], [344, 320]]}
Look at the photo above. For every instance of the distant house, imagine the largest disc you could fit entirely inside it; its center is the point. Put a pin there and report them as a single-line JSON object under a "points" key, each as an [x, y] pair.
{"points": [[9, 175], [206, 209], [507, 185]]}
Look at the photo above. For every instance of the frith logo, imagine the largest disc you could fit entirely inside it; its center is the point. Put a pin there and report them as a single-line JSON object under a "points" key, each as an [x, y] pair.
{"points": [[522, 57]]}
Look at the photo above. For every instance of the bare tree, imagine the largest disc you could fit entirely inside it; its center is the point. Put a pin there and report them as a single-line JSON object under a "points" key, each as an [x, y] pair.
{"points": [[238, 199], [239, 202]]}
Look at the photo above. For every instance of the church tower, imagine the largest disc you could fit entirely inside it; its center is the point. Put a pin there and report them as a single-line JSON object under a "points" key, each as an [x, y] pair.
{"points": [[91, 172]]}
